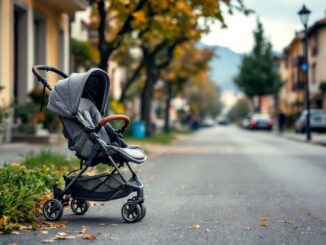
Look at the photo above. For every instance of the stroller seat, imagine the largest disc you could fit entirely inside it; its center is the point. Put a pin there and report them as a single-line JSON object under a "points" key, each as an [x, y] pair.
{"points": [[119, 150], [132, 153]]}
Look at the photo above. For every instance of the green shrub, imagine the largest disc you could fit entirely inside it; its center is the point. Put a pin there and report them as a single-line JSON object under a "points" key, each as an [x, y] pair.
{"points": [[22, 188]]}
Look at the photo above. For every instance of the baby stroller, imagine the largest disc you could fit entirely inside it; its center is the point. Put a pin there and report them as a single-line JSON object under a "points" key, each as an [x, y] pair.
{"points": [[80, 100]]}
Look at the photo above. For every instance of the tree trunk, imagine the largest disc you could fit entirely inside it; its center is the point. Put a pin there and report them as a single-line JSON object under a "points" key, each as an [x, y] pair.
{"points": [[104, 56], [167, 107], [147, 97], [259, 103]]}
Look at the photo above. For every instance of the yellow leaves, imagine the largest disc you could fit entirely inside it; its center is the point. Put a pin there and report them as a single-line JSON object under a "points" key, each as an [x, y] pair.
{"points": [[140, 17], [263, 221], [117, 107], [4, 220]]}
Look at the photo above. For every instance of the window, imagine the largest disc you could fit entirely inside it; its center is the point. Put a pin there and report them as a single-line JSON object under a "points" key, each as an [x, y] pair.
{"points": [[313, 73]]}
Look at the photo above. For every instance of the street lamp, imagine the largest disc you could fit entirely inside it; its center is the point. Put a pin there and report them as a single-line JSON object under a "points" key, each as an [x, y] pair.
{"points": [[304, 16]]}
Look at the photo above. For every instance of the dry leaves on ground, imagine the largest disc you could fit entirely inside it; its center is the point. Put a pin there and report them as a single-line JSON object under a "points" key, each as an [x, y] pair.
{"points": [[263, 221], [88, 237], [195, 226], [288, 221], [44, 225]]}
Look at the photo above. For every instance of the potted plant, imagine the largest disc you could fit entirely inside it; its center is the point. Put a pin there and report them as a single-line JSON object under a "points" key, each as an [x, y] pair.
{"points": [[4, 113]]}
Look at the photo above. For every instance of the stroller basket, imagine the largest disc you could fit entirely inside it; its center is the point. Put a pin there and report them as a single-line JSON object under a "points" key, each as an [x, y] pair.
{"points": [[100, 187]]}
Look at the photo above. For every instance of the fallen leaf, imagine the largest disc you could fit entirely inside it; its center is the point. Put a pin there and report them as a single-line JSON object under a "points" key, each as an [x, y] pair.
{"points": [[89, 237], [12, 243], [46, 224], [44, 232], [207, 230], [84, 228], [61, 236], [114, 225], [195, 226], [15, 232], [48, 241], [288, 221], [92, 204], [25, 227], [263, 221], [4, 220]]}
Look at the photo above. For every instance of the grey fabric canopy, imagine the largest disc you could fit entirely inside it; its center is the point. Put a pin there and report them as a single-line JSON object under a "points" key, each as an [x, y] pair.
{"points": [[65, 97]]}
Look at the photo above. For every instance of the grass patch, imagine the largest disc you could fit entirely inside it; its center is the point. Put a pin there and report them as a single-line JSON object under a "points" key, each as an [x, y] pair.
{"points": [[24, 186], [49, 158], [159, 138]]}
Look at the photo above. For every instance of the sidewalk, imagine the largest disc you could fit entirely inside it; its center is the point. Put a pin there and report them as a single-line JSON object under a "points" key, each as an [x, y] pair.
{"points": [[13, 152], [319, 139]]}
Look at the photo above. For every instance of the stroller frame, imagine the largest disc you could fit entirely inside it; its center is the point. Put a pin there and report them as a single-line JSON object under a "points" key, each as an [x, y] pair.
{"points": [[133, 210]]}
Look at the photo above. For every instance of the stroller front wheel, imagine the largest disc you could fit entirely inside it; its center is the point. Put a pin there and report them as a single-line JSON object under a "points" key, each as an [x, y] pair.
{"points": [[79, 207], [52, 209], [131, 212]]}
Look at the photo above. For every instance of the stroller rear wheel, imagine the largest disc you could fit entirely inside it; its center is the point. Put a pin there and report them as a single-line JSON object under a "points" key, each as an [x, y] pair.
{"points": [[143, 211], [52, 209], [79, 207], [131, 212]]}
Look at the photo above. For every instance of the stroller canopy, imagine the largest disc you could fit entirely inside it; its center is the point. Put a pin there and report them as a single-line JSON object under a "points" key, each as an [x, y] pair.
{"points": [[65, 97]]}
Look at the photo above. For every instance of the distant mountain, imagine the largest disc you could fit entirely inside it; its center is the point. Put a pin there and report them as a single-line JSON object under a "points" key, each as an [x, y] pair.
{"points": [[224, 67]]}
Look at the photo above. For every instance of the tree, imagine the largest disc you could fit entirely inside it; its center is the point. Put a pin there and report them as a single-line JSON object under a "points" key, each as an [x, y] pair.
{"points": [[180, 72], [239, 110], [258, 75], [203, 96], [172, 24]]}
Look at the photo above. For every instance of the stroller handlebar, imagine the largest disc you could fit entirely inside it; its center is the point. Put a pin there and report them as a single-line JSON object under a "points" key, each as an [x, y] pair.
{"points": [[109, 118], [38, 75]]}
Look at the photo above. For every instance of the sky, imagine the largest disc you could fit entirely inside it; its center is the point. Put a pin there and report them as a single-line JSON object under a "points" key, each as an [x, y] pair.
{"points": [[279, 18]]}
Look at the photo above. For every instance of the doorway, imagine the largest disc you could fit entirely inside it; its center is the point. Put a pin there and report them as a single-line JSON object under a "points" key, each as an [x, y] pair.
{"points": [[20, 54]]}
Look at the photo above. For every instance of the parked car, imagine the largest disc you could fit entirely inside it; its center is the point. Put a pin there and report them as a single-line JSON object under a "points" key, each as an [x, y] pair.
{"points": [[245, 122], [261, 121], [222, 120], [208, 122], [317, 121]]}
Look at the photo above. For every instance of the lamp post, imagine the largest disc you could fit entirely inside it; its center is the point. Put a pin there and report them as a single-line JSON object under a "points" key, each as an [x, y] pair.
{"points": [[304, 16]]}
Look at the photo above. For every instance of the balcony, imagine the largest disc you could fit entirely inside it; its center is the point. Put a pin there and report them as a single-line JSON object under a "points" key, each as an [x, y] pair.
{"points": [[67, 6]]}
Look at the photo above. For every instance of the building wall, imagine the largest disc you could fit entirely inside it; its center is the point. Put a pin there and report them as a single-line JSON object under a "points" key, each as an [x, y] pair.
{"points": [[318, 60], [55, 21]]}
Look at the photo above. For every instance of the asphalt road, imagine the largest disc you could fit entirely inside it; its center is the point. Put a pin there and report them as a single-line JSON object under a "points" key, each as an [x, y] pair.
{"points": [[222, 181]]}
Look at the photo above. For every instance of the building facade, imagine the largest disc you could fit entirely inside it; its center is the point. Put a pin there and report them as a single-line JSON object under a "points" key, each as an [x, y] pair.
{"points": [[317, 62], [292, 92], [32, 32], [292, 98]]}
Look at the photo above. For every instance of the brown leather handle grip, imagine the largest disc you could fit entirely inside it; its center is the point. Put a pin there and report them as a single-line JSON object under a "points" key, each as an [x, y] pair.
{"points": [[109, 118]]}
